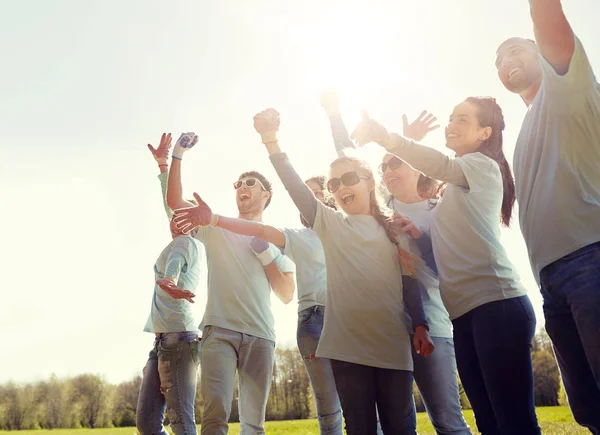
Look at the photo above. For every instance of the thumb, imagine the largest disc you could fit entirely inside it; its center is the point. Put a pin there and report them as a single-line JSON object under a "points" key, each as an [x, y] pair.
{"points": [[152, 149], [200, 200], [405, 121]]}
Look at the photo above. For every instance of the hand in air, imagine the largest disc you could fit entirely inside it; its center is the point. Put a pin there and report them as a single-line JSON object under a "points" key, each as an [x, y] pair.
{"points": [[258, 246], [422, 342], [368, 131], [161, 154], [330, 101], [185, 143], [266, 123], [406, 226], [420, 127], [186, 219], [169, 286]]}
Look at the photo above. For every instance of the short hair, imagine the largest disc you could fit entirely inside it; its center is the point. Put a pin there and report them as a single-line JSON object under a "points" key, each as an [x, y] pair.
{"points": [[266, 183]]}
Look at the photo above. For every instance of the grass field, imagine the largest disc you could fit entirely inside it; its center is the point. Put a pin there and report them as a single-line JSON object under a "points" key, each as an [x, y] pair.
{"points": [[554, 421]]}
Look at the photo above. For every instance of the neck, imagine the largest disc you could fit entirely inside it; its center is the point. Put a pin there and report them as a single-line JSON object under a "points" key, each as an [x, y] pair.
{"points": [[407, 197], [528, 95], [251, 216]]}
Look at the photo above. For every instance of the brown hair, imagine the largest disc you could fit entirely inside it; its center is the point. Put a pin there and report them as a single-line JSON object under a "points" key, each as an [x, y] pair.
{"points": [[384, 216], [321, 180], [490, 114], [263, 180]]}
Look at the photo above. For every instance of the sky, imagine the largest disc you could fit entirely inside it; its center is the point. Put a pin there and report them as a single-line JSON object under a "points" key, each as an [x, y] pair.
{"points": [[86, 85]]}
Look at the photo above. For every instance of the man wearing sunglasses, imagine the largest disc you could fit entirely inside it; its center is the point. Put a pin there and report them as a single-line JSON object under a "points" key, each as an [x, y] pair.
{"points": [[238, 330]]}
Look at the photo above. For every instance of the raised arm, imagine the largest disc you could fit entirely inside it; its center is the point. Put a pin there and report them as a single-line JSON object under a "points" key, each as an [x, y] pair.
{"points": [[266, 123], [161, 155], [553, 33], [425, 159], [341, 137], [174, 188]]}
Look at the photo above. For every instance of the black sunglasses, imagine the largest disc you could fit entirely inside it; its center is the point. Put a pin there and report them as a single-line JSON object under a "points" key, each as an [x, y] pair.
{"points": [[250, 182], [392, 164], [349, 179]]}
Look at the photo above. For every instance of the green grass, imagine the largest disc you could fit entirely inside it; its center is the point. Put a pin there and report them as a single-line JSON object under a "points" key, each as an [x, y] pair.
{"points": [[554, 421]]}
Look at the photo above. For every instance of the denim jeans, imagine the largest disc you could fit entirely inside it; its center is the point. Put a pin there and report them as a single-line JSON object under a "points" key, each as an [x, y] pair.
{"points": [[169, 383], [493, 355], [223, 352], [571, 291], [310, 325], [437, 380], [363, 390]]}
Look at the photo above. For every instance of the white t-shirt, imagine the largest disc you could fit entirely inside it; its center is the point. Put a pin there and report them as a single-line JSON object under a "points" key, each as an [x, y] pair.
{"points": [[239, 292], [304, 248], [364, 315], [472, 263], [420, 213], [557, 164]]}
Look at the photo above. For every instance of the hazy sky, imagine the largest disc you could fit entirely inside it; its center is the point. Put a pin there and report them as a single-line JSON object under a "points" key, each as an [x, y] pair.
{"points": [[85, 85]]}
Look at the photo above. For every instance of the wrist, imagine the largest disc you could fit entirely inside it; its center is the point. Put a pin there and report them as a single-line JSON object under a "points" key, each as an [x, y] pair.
{"points": [[269, 137], [422, 327], [214, 220]]}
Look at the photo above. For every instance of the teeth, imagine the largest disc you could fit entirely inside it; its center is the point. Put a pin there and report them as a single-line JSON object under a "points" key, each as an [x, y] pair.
{"points": [[513, 71], [451, 136]]}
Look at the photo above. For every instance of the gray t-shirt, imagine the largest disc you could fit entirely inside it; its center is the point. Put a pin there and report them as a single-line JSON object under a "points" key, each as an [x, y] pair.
{"points": [[472, 263], [420, 213], [364, 316], [239, 293], [557, 164], [304, 248]]}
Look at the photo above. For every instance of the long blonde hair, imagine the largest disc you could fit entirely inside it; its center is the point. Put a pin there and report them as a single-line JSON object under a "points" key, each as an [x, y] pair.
{"points": [[408, 261]]}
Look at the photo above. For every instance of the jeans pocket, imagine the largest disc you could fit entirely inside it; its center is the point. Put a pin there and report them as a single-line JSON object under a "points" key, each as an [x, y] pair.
{"points": [[195, 350], [527, 308], [305, 316]]}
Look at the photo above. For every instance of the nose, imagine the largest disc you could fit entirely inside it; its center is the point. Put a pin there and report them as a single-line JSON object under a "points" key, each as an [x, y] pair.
{"points": [[507, 62]]}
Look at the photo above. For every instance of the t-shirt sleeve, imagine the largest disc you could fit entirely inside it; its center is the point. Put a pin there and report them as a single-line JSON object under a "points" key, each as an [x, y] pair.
{"points": [[283, 262], [327, 219], [576, 84], [290, 235], [479, 170], [186, 247]]}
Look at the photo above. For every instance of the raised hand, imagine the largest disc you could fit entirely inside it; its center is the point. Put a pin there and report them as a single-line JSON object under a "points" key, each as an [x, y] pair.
{"points": [[185, 142], [266, 123], [422, 342], [186, 219], [330, 101], [405, 225], [161, 154], [169, 286], [368, 131], [420, 127]]}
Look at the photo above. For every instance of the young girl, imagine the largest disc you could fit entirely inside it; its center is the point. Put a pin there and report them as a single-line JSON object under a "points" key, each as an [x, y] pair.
{"points": [[493, 319], [371, 277], [304, 248], [414, 196]]}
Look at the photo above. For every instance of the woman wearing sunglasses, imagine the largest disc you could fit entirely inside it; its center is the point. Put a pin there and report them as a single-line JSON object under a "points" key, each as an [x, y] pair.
{"points": [[304, 248], [371, 276], [494, 322], [414, 196]]}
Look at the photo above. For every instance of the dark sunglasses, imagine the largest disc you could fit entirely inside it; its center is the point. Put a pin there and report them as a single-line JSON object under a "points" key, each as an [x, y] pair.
{"points": [[349, 179], [392, 164], [250, 182]]}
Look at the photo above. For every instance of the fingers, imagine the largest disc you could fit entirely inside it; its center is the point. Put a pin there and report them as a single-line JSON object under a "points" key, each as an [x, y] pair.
{"points": [[201, 202], [405, 123], [435, 127]]}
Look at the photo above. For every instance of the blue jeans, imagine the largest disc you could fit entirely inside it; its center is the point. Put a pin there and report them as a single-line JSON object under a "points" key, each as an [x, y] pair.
{"points": [[310, 325], [437, 380], [571, 291], [363, 390], [493, 355], [169, 383], [223, 352]]}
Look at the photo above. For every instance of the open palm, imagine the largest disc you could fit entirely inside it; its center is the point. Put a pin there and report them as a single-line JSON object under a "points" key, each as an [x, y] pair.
{"points": [[419, 128]]}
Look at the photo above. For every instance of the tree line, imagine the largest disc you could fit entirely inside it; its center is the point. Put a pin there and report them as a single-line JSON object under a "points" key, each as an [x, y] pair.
{"points": [[89, 401]]}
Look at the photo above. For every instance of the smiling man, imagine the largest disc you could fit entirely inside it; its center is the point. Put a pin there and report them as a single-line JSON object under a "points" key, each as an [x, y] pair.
{"points": [[557, 175], [238, 328]]}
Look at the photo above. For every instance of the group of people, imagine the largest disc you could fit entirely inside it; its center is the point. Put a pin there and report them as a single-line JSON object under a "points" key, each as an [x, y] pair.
{"points": [[399, 277]]}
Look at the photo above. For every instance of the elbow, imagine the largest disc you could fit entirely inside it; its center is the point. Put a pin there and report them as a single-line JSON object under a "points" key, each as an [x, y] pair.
{"points": [[171, 203], [287, 299]]}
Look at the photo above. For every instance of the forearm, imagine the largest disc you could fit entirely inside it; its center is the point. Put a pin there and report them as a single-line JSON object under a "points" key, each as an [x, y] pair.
{"points": [[281, 283], [299, 192], [174, 187], [413, 301], [427, 160], [163, 177], [341, 137], [553, 33], [259, 230]]}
